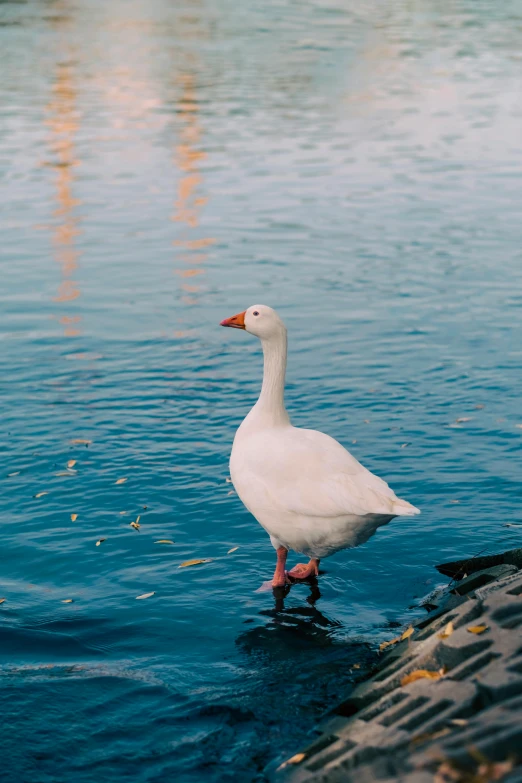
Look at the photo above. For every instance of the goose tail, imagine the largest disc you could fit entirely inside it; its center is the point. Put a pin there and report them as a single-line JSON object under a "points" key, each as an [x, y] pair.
{"points": [[404, 509]]}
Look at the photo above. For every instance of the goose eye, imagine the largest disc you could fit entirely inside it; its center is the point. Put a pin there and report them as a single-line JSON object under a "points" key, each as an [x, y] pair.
{"points": [[255, 312]]}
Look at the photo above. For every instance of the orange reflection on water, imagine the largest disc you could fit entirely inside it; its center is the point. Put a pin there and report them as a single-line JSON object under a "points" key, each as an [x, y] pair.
{"points": [[63, 124], [190, 202]]}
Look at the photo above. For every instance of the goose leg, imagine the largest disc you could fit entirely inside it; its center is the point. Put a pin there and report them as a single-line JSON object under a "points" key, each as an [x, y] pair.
{"points": [[279, 579], [305, 571]]}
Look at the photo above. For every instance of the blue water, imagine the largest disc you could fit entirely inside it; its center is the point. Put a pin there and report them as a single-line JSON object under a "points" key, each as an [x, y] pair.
{"points": [[164, 165]]}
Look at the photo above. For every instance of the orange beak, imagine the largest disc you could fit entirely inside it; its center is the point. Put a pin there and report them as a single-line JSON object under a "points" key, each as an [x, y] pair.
{"points": [[236, 321]]}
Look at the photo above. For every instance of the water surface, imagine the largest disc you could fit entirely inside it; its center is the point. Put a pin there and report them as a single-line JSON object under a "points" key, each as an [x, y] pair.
{"points": [[163, 166]]}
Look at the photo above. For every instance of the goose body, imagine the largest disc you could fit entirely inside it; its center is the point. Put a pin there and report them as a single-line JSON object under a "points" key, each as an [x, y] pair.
{"points": [[307, 491]]}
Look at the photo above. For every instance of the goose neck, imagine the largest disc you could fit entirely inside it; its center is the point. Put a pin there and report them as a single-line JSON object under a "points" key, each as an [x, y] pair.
{"points": [[272, 398]]}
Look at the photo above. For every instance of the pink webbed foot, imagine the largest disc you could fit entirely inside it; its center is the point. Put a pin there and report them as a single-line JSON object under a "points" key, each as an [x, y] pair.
{"points": [[305, 570]]}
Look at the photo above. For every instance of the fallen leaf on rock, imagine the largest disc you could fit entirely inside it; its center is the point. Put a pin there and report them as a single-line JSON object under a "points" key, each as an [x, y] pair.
{"points": [[74, 517], [495, 770], [67, 601], [234, 549], [446, 773], [384, 645], [121, 481], [71, 463], [164, 541], [232, 492], [193, 562], [448, 630], [420, 674], [228, 480], [41, 494], [430, 735], [477, 628], [293, 760], [100, 541], [145, 595], [407, 633]]}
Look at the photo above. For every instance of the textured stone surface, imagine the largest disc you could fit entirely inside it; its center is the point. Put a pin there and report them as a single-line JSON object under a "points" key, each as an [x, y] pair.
{"points": [[471, 715]]}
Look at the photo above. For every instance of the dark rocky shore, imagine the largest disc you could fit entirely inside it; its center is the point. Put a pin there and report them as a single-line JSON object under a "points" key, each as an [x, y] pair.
{"points": [[445, 703]]}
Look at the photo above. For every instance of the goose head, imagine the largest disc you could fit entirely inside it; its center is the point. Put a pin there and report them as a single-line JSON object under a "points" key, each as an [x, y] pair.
{"points": [[260, 320]]}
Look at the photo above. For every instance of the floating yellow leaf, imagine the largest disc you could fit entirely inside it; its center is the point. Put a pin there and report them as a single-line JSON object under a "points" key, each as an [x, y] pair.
{"points": [[67, 601], [193, 562], [478, 628], [71, 463], [145, 595], [41, 494], [164, 541], [74, 517], [136, 525], [121, 481], [462, 419], [81, 442], [234, 549], [448, 630], [66, 473], [420, 674], [100, 541], [407, 633], [2, 600], [16, 473], [123, 512]]}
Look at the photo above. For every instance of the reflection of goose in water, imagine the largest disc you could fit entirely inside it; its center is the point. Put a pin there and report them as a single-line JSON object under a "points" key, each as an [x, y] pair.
{"points": [[294, 627], [302, 486], [296, 663]]}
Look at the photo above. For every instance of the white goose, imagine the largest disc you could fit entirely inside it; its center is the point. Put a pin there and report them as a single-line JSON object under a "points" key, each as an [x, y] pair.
{"points": [[302, 486]]}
